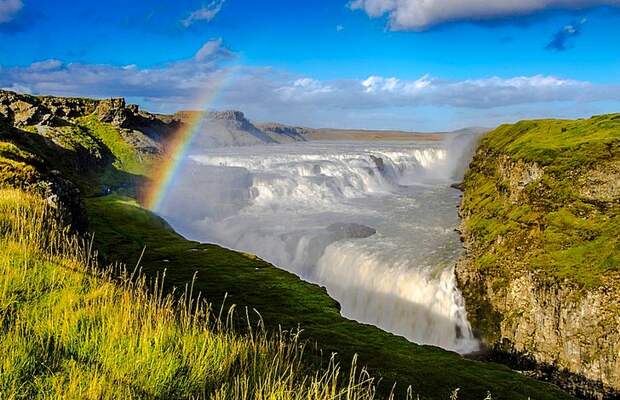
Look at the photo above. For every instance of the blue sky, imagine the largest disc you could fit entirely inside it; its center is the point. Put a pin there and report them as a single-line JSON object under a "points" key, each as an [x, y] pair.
{"points": [[406, 64]]}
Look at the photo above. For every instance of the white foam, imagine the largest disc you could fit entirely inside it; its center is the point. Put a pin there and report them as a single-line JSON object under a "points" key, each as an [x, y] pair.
{"points": [[278, 201]]}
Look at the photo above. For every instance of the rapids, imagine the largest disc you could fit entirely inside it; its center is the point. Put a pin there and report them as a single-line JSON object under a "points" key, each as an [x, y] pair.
{"points": [[313, 208]]}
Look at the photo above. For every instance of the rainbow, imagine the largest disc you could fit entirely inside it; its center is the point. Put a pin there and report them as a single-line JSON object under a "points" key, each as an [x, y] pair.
{"points": [[175, 152]]}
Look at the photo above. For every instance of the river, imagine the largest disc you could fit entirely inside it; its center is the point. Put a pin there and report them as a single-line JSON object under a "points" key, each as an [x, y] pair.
{"points": [[373, 222]]}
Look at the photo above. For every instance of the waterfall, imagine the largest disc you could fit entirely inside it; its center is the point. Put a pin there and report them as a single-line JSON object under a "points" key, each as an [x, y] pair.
{"points": [[372, 222]]}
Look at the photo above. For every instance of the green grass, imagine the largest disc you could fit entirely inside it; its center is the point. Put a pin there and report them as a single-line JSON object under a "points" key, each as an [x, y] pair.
{"points": [[16, 166], [563, 145], [127, 159], [90, 153], [69, 329], [553, 228], [123, 229], [76, 138]]}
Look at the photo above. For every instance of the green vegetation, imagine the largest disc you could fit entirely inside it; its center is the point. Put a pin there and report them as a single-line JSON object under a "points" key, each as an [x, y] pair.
{"points": [[16, 169], [74, 138], [126, 157], [123, 230], [557, 212], [72, 330], [563, 145], [81, 151]]}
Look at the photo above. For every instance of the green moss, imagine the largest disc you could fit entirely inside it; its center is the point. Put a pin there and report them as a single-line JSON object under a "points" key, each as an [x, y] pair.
{"points": [[551, 228], [562, 145]]}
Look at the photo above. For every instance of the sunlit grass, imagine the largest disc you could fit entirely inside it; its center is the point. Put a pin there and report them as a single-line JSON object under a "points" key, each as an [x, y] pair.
{"points": [[72, 330], [127, 159]]}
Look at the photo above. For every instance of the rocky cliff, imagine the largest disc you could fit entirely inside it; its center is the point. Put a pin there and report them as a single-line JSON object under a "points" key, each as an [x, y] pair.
{"points": [[541, 271], [61, 146], [285, 133]]}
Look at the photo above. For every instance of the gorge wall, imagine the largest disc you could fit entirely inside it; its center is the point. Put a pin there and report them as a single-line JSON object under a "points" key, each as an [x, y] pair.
{"points": [[541, 269]]}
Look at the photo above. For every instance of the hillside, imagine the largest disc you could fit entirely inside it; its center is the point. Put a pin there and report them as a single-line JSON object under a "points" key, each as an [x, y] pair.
{"points": [[74, 330], [285, 133], [88, 163], [541, 224], [232, 128]]}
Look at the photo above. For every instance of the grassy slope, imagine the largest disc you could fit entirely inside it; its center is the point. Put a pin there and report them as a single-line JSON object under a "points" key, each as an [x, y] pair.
{"points": [[123, 229], [71, 330], [553, 229], [126, 158], [16, 165]]}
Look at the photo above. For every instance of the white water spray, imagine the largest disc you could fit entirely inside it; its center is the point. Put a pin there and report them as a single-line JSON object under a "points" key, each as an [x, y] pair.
{"points": [[372, 222]]}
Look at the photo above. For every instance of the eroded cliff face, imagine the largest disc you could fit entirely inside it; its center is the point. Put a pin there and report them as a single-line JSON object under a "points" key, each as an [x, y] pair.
{"points": [[538, 288]]}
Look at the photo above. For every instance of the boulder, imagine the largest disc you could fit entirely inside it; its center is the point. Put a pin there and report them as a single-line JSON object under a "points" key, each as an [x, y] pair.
{"points": [[114, 111], [343, 230], [378, 162], [62, 195], [52, 120], [25, 113], [458, 186]]}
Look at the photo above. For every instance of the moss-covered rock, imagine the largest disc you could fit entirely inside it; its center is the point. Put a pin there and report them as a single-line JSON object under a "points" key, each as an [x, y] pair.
{"points": [[541, 227]]}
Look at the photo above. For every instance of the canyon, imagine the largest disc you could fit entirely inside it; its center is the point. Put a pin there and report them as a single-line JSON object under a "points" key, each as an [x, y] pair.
{"points": [[535, 287]]}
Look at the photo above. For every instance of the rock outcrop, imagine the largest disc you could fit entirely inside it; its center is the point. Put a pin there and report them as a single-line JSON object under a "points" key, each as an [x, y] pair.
{"points": [[22, 110], [229, 128], [284, 133], [342, 230], [540, 271], [116, 112], [65, 198], [46, 147]]}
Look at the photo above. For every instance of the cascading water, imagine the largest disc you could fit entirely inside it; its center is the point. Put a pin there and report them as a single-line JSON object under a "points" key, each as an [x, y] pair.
{"points": [[372, 222]]}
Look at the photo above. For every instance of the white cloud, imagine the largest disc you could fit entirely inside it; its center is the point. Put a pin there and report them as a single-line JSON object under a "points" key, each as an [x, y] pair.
{"points": [[378, 91], [46, 65], [376, 84], [8, 9], [339, 28], [302, 89], [169, 86], [206, 13], [268, 94], [421, 14], [212, 49]]}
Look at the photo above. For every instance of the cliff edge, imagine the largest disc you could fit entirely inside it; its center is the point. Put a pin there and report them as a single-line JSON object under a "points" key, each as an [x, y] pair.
{"points": [[541, 268]]}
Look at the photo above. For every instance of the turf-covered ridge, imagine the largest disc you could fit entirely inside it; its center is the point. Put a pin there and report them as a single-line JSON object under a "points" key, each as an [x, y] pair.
{"points": [[545, 195]]}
